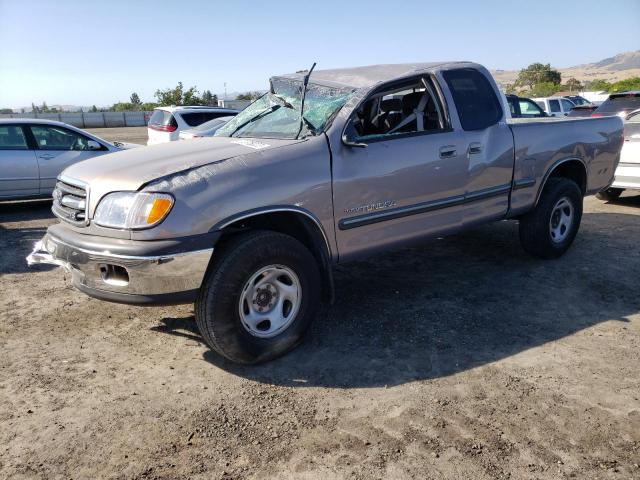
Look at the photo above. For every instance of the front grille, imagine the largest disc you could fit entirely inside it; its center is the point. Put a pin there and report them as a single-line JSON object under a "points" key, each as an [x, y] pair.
{"points": [[70, 202]]}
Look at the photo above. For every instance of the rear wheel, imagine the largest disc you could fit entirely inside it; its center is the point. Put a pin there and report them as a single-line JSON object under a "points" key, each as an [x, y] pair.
{"points": [[258, 297], [549, 230], [610, 194]]}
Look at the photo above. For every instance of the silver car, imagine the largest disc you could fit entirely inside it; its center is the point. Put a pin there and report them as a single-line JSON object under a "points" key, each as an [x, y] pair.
{"points": [[33, 152]]}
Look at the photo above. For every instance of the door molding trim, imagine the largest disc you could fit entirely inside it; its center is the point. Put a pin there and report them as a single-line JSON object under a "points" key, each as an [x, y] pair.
{"points": [[424, 207]]}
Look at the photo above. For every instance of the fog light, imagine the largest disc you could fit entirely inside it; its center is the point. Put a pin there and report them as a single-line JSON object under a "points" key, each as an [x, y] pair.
{"points": [[114, 275]]}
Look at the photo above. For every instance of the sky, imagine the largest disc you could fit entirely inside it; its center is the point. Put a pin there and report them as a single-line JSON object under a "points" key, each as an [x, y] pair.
{"points": [[86, 52]]}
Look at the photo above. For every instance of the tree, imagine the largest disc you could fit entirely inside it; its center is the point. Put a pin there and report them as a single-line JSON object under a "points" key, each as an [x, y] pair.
{"points": [[6, 110], [123, 107], [178, 96], [34, 109], [93, 109], [598, 85], [148, 106], [573, 85], [632, 83], [544, 89], [537, 73], [249, 95], [209, 99], [135, 99]]}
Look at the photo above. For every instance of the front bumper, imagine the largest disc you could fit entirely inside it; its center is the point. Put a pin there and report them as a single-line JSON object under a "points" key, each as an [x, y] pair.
{"points": [[166, 279], [627, 176]]}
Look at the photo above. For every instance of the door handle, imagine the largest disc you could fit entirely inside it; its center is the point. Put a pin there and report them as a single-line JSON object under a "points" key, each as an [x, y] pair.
{"points": [[475, 148], [46, 156], [448, 151]]}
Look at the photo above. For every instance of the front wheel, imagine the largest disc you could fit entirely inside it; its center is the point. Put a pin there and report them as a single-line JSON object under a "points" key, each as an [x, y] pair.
{"points": [[550, 228], [610, 194], [258, 297]]}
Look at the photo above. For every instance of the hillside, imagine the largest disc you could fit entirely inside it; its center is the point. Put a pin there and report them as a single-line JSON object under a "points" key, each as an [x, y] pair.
{"points": [[613, 69]]}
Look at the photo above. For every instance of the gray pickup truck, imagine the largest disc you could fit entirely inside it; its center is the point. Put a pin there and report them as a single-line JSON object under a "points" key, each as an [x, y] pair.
{"points": [[327, 167]]}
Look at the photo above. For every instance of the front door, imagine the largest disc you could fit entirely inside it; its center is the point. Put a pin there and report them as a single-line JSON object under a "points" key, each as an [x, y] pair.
{"points": [[407, 178], [57, 148], [18, 165]]}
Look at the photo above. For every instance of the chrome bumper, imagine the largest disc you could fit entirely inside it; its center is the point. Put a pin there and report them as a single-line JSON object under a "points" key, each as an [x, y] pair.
{"points": [[122, 278]]}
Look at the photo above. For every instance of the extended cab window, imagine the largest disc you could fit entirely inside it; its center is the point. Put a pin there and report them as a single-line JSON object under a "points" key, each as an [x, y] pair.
{"points": [[476, 101], [411, 107], [12, 138], [554, 106]]}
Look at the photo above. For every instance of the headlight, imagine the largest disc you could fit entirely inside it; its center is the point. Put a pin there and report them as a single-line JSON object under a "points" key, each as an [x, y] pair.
{"points": [[132, 210]]}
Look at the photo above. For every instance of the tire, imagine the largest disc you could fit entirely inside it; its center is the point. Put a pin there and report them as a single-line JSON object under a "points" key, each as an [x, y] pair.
{"points": [[610, 194], [548, 230], [227, 305]]}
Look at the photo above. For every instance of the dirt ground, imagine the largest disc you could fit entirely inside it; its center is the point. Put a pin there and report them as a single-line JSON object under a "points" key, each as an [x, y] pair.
{"points": [[463, 358], [122, 134]]}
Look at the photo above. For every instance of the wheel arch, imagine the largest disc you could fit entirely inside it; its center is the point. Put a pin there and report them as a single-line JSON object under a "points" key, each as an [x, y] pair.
{"points": [[293, 221], [572, 168]]}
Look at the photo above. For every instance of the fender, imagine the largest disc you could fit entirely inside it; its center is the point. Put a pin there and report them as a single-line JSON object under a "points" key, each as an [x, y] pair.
{"points": [[556, 165], [276, 208]]}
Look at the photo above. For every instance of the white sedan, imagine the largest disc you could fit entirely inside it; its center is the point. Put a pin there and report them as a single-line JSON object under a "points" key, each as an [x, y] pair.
{"points": [[628, 171], [33, 152]]}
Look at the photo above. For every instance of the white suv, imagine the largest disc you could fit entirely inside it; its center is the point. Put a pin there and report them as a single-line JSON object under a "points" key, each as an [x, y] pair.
{"points": [[166, 123]]}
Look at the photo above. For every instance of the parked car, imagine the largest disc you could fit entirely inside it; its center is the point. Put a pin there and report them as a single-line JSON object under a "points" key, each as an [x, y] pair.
{"points": [[522, 107], [166, 123], [207, 129], [628, 171], [618, 104], [555, 106], [33, 152], [578, 100], [582, 110], [325, 168]]}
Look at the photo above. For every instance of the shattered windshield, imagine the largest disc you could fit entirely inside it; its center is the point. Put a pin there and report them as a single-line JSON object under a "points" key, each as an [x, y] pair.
{"points": [[277, 113]]}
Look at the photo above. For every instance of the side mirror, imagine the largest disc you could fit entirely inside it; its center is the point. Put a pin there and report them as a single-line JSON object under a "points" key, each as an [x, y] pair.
{"points": [[93, 145], [348, 138]]}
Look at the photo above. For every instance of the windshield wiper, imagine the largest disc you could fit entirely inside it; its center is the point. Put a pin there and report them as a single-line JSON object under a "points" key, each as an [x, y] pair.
{"points": [[271, 109], [281, 100], [310, 126], [304, 94]]}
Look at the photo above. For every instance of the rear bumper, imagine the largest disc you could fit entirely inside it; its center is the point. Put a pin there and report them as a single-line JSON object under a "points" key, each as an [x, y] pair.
{"points": [[627, 176], [142, 279]]}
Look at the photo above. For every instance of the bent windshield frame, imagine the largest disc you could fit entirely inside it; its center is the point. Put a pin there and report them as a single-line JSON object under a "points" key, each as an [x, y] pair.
{"points": [[276, 114]]}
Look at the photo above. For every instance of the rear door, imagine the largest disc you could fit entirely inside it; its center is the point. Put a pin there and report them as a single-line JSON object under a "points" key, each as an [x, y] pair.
{"points": [[57, 148], [554, 107], [18, 166], [566, 105], [486, 142]]}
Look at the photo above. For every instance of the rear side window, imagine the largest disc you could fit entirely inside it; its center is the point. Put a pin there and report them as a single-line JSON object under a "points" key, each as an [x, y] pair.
{"points": [[193, 119], [621, 102], [12, 138], [476, 101], [567, 105], [554, 106], [162, 117]]}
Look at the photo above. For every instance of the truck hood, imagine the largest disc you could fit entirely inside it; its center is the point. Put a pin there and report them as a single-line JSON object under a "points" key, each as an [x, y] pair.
{"points": [[128, 170]]}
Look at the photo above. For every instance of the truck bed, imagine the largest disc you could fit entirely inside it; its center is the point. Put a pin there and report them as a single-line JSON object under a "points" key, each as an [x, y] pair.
{"points": [[540, 143]]}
